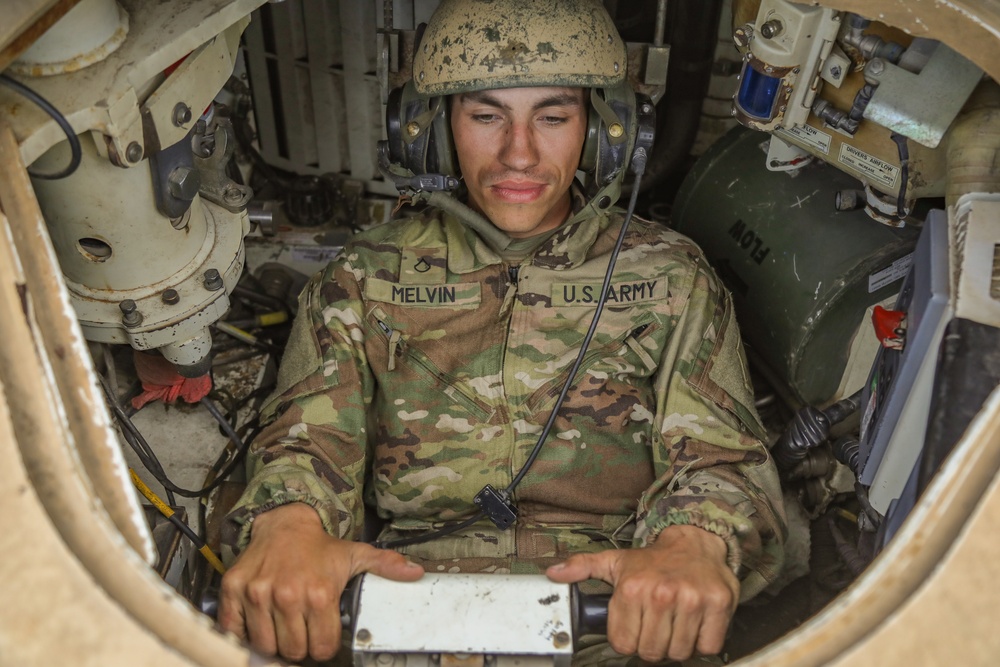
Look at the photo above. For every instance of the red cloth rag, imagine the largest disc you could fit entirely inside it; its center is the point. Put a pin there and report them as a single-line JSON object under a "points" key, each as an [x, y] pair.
{"points": [[160, 381]]}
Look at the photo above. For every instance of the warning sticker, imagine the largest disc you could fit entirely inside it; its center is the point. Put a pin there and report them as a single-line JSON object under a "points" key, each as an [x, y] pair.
{"points": [[890, 274], [871, 167], [808, 135]]}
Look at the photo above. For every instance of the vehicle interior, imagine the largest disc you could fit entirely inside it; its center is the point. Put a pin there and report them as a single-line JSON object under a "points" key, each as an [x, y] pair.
{"points": [[172, 173]]}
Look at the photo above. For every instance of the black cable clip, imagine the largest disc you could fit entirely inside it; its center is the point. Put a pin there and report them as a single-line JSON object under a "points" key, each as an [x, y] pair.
{"points": [[496, 507]]}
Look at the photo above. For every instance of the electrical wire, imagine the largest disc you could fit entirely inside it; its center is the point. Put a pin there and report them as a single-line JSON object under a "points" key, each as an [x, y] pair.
{"points": [[639, 159], [171, 516], [76, 154], [149, 460]]}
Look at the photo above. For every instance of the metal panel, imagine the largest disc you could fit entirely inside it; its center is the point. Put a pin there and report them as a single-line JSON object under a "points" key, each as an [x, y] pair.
{"points": [[312, 67]]}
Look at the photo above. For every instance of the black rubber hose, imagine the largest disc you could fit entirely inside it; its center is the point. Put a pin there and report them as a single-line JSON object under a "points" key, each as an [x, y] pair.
{"points": [[692, 35], [810, 428], [76, 154]]}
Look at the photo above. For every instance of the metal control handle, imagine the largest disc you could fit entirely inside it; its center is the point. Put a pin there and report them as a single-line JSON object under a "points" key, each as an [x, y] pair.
{"points": [[590, 612]]}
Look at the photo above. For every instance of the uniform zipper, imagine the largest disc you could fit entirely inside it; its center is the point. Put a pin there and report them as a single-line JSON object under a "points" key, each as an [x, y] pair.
{"points": [[396, 347]]}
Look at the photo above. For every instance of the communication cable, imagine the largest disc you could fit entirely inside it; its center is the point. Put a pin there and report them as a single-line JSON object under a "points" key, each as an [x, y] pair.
{"points": [[639, 159], [76, 154]]}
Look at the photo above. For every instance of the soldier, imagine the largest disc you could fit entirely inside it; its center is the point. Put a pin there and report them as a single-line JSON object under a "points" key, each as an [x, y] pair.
{"points": [[426, 360]]}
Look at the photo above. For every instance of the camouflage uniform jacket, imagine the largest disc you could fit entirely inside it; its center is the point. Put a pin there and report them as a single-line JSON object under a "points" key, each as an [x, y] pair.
{"points": [[422, 367]]}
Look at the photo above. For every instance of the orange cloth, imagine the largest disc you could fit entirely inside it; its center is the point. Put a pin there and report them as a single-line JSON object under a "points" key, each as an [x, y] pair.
{"points": [[160, 381]]}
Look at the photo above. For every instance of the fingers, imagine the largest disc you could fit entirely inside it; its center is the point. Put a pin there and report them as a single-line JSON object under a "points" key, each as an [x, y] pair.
{"points": [[585, 566], [714, 626], [231, 618], [324, 612], [384, 563]]}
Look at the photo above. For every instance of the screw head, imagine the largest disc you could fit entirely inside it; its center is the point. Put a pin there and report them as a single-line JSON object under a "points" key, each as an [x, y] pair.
{"points": [[184, 183], [182, 114], [131, 317], [413, 128], [604, 202], [616, 130], [561, 639], [170, 297], [771, 29], [363, 635], [134, 152], [213, 281], [232, 194]]}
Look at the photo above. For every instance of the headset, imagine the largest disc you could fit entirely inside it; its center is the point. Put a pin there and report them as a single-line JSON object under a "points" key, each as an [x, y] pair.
{"points": [[419, 153]]}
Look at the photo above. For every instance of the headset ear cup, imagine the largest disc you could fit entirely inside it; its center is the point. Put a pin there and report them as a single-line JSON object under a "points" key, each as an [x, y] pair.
{"points": [[394, 123], [430, 150], [591, 143]]}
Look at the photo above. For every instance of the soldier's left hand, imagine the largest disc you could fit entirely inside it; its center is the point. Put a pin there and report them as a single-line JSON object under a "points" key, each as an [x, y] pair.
{"points": [[670, 599]]}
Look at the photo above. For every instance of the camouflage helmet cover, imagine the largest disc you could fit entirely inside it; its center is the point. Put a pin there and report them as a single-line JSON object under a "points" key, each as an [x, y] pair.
{"points": [[483, 44]]}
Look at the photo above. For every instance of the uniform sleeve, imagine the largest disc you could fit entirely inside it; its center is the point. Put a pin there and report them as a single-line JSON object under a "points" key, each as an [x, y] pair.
{"points": [[314, 446], [712, 469]]}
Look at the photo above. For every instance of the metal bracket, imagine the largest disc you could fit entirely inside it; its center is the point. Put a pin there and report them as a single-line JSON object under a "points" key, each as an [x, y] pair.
{"points": [[921, 106], [216, 186]]}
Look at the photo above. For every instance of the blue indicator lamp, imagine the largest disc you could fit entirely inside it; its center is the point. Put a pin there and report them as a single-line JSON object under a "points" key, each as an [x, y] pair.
{"points": [[758, 93]]}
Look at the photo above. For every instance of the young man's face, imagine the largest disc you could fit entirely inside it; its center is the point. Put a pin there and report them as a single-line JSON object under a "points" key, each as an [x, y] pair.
{"points": [[519, 149]]}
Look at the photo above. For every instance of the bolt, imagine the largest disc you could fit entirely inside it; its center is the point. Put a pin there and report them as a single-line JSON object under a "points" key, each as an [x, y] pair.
{"points": [[170, 297], [363, 635], [616, 130], [413, 128], [134, 152], [183, 183], [182, 114], [213, 281], [561, 639], [771, 29], [232, 194], [768, 69], [131, 317], [876, 66], [647, 108]]}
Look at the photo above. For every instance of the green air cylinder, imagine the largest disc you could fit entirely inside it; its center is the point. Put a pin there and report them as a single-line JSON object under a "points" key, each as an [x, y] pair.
{"points": [[802, 273]]}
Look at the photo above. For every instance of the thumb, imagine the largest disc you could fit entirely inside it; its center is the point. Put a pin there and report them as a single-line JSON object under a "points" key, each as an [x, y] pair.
{"points": [[585, 566], [384, 563]]}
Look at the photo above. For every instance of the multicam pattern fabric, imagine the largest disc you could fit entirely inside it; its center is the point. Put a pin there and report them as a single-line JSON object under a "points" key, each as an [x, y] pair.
{"points": [[422, 367]]}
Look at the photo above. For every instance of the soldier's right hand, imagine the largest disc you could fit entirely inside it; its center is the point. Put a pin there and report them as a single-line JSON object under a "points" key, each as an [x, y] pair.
{"points": [[283, 593]]}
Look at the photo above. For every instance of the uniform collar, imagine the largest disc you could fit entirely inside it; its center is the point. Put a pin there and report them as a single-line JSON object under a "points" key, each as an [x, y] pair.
{"points": [[567, 248]]}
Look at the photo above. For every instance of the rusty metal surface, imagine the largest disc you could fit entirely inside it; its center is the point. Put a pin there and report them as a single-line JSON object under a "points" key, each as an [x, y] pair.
{"points": [[106, 97], [51, 456], [66, 349], [24, 21]]}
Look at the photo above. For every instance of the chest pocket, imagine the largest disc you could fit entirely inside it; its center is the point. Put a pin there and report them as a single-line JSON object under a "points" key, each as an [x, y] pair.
{"points": [[409, 371]]}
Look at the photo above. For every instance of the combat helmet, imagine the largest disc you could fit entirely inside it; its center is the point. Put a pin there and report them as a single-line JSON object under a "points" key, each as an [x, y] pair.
{"points": [[471, 45]]}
